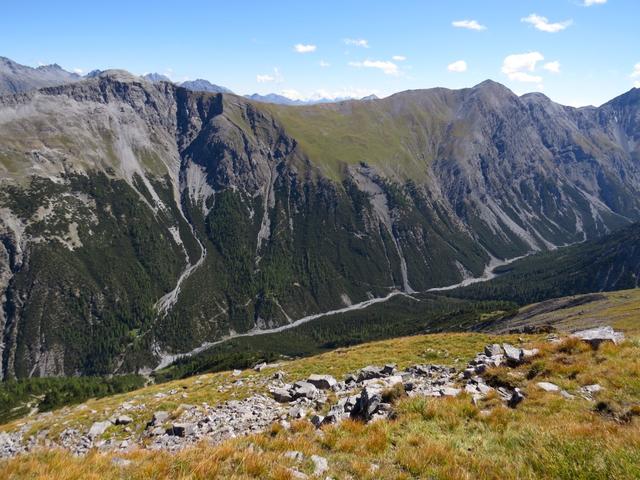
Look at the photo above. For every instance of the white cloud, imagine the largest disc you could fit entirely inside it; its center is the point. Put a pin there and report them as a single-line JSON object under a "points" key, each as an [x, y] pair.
{"points": [[553, 67], [79, 71], [399, 58], [324, 64], [637, 84], [459, 66], [520, 67], [636, 71], [542, 23], [389, 68], [469, 24], [302, 48], [275, 77], [357, 42], [589, 3]]}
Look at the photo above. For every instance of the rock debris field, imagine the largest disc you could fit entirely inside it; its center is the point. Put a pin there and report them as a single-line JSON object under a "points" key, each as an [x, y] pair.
{"points": [[365, 395]]}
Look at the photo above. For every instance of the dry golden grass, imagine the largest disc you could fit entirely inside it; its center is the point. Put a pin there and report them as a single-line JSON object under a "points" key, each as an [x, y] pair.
{"points": [[546, 437]]}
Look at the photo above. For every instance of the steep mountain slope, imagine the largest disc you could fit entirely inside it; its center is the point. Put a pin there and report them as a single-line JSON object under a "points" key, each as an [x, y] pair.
{"points": [[604, 264], [142, 219], [16, 78]]}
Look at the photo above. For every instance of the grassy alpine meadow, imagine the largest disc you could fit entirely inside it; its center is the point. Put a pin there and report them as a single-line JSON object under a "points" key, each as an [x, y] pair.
{"points": [[546, 436]]}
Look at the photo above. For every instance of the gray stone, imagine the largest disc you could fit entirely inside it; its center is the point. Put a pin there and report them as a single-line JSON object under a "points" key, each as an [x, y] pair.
{"points": [[513, 355], [181, 429], [297, 412], [567, 395], [98, 428], [493, 349], [123, 420], [450, 392], [367, 403], [591, 389], [159, 418], [389, 369], [320, 464], [260, 366], [369, 372], [296, 474], [516, 397], [294, 455], [281, 395], [317, 420], [548, 386], [323, 382], [304, 390], [596, 336]]}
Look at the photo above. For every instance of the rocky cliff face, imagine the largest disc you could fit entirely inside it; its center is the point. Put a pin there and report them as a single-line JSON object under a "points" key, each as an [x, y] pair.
{"points": [[141, 219]]}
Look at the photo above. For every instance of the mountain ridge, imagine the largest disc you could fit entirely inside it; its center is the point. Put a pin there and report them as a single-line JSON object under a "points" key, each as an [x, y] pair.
{"points": [[248, 202]]}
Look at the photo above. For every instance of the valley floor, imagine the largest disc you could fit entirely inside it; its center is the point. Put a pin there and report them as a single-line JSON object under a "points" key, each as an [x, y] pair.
{"points": [[547, 435]]}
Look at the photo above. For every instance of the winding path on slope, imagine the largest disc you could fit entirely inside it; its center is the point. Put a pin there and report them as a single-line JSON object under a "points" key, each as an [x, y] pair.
{"points": [[168, 359]]}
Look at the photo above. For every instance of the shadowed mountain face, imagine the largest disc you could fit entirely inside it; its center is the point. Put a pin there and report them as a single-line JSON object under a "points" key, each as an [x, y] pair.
{"points": [[141, 219], [16, 78]]}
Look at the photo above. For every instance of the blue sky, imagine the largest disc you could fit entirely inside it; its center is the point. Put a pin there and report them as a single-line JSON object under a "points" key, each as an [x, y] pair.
{"points": [[579, 55]]}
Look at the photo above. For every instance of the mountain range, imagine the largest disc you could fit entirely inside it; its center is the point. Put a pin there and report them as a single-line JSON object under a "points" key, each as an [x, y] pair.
{"points": [[16, 78], [140, 219]]}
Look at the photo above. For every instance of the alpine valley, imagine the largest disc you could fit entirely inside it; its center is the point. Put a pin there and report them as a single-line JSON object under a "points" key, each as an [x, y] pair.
{"points": [[140, 219]]}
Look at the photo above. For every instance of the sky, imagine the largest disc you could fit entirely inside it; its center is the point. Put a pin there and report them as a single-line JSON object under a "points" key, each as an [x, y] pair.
{"points": [[577, 52]]}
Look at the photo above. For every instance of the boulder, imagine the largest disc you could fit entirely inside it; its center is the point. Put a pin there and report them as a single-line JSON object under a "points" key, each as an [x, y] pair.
{"points": [[513, 354], [123, 420], [294, 455], [260, 366], [98, 428], [351, 378], [320, 465], [389, 369], [367, 403], [591, 389], [181, 429], [450, 392], [493, 349], [297, 412], [369, 372], [548, 386], [304, 390], [323, 382], [296, 474], [317, 420], [159, 418], [596, 336], [516, 397], [281, 395]]}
